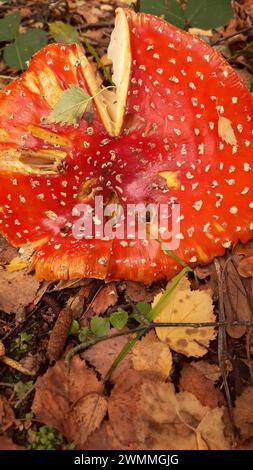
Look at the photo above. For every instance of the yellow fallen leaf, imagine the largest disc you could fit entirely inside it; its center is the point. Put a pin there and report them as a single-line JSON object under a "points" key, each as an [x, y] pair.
{"points": [[186, 306], [151, 355], [16, 264]]}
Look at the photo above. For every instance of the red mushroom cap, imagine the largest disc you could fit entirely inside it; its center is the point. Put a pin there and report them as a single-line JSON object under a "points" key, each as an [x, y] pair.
{"points": [[180, 132]]}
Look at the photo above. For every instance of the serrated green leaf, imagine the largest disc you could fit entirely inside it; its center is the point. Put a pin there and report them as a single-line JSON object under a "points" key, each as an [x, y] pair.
{"points": [[63, 32], [71, 106], [100, 326], [21, 50], [169, 9], [208, 14], [85, 332], [119, 319], [9, 26]]}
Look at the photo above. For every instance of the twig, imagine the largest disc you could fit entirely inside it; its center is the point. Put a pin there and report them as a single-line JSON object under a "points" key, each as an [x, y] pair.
{"points": [[222, 344], [249, 359], [24, 396], [5, 384], [98, 25], [203, 324], [219, 41]]}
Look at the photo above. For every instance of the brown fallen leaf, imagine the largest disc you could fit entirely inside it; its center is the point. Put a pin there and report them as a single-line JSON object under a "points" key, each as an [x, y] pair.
{"points": [[138, 292], [148, 354], [7, 416], [195, 382], [151, 355], [210, 371], [243, 414], [7, 444], [102, 355], [105, 298], [184, 305], [59, 334], [71, 402], [7, 251], [146, 413], [25, 287], [245, 267]]}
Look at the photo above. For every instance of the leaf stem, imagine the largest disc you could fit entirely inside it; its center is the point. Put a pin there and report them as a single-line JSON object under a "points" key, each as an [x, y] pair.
{"points": [[92, 51]]}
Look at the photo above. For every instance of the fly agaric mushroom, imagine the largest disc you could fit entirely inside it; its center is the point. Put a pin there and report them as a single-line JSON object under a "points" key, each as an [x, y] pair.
{"points": [[177, 129]]}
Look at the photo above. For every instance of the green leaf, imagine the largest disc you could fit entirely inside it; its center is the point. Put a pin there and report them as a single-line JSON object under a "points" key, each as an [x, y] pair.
{"points": [[9, 26], [71, 106], [169, 9], [21, 50], [74, 328], [251, 87], [100, 326], [63, 32], [208, 14], [85, 332], [119, 319]]}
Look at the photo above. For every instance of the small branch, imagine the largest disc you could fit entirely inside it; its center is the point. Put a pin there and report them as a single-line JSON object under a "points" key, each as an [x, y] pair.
{"points": [[202, 325], [219, 41], [24, 396], [5, 384], [98, 25]]}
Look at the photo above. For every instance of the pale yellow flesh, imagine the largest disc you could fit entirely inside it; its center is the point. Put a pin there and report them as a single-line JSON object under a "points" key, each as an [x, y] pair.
{"points": [[112, 102]]}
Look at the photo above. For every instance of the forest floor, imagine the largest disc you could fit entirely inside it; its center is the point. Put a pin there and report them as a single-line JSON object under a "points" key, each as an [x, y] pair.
{"points": [[150, 396]]}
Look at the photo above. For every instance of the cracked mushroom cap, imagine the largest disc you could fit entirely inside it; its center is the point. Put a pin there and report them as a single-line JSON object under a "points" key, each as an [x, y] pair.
{"points": [[177, 129]]}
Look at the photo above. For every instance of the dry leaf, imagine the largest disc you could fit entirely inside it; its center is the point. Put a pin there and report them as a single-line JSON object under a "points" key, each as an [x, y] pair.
{"points": [[138, 292], [7, 251], [25, 287], [151, 355], [102, 355], [146, 413], [7, 416], [106, 297], [148, 354], [243, 414], [8, 444], [71, 402], [184, 305], [195, 382], [210, 371]]}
